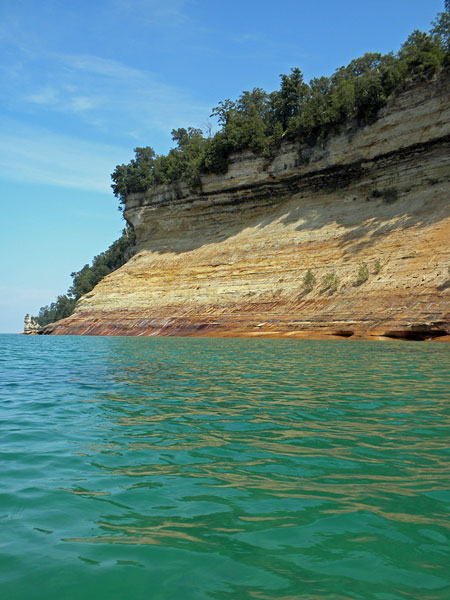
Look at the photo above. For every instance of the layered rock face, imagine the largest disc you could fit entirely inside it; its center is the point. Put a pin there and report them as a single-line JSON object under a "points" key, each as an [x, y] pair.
{"points": [[231, 260]]}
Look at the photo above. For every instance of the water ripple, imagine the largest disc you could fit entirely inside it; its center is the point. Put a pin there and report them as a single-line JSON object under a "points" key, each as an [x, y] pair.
{"points": [[224, 469]]}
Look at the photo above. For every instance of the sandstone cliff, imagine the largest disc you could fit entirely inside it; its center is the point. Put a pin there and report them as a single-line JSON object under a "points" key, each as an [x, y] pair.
{"points": [[231, 259]]}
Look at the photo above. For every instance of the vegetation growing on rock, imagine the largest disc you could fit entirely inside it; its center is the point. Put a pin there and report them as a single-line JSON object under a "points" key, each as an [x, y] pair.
{"points": [[330, 282], [363, 274], [309, 280], [377, 267]]}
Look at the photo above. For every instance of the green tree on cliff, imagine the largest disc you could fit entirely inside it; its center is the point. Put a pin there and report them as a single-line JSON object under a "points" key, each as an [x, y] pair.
{"points": [[441, 31], [421, 55], [136, 176], [288, 101]]}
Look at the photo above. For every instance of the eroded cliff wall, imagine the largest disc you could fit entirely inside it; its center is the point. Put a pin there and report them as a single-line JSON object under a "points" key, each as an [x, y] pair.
{"points": [[231, 259]]}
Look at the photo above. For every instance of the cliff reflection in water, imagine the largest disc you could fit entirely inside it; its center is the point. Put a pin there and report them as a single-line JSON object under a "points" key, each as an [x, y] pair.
{"points": [[244, 447]]}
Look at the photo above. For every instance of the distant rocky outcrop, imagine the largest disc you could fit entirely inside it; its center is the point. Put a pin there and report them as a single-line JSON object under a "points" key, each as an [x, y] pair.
{"points": [[30, 325], [367, 214]]}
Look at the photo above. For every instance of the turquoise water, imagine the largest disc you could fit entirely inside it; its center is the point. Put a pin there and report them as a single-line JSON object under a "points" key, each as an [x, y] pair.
{"points": [[223, 469]]}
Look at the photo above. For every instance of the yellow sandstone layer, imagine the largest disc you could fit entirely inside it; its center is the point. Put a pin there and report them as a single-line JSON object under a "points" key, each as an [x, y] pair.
{"points": [[231, 260]]}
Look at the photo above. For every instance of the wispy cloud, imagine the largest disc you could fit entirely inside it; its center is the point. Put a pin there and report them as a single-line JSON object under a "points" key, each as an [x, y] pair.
{"points": [[64, 99], [47, 96], [37, 155], [256, 37], [101, 66], [108, 95], [169, 12], [112, 99], [82, 103], [105, 100]]}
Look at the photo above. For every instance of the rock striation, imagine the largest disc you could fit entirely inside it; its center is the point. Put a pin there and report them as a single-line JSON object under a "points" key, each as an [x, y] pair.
{"points": [[367, 213]]}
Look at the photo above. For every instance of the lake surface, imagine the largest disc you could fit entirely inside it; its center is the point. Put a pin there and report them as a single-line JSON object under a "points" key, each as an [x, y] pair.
{"points": [[170, 468]]}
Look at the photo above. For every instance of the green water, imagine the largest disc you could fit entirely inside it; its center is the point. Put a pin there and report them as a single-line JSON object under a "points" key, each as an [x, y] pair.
{"points": [[137, 468]]}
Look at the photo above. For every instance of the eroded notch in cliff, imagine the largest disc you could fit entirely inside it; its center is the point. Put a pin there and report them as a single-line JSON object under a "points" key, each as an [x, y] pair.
{"points": [[418, 334]]}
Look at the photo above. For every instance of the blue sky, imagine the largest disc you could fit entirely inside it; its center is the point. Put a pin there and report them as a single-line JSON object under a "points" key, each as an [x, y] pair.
{"points": [[83, 83]]}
